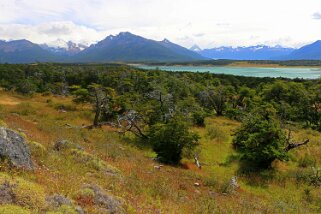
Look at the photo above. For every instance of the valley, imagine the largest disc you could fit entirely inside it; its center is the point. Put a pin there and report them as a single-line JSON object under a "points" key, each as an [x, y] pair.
{"points": [[79, 164]]}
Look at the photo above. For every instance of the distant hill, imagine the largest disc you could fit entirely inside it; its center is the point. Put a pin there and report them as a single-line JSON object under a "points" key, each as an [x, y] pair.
{"points": [[259, 52], [308, 52], [24, 51], [127, 47]]}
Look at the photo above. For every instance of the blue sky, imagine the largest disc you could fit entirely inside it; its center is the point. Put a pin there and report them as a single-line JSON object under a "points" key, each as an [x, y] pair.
{"points": [[208, 23]]}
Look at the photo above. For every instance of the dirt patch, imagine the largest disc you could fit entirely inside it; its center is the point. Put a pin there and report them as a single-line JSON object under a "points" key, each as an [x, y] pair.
{"points": [[8, 101], [29, 128]]}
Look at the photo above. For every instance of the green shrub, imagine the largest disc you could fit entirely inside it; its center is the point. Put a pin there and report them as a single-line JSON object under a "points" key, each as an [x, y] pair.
{"points": [[37, 149], [310, 176], [234, 114], [26, 87], [92, 161], [199, 118]]}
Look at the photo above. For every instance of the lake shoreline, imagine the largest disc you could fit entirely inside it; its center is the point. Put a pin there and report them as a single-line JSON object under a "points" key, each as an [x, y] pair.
{"points": [[235, 64], [253, 71]]}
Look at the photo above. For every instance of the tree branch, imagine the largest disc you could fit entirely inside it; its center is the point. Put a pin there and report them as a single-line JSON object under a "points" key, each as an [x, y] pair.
{"points": [[295, 145]]}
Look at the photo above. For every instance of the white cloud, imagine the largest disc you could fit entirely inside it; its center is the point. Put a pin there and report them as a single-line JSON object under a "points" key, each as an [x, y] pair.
{"points": [[317, 15], [50, 31], [207, 23]]}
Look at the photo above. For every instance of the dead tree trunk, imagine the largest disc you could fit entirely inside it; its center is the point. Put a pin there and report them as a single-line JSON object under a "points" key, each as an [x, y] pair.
{"points": [[293, 145], [100, 101], [197, 163], [97, 112]]}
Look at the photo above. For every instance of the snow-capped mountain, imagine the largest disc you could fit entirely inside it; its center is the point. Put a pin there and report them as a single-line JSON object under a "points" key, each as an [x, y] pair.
{"points": [[258, 52], [62, 47], [196, 48]]}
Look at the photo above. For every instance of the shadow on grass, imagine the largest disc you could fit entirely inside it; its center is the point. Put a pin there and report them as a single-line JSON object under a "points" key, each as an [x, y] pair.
{"points": [[255, 175], [135, 141]]}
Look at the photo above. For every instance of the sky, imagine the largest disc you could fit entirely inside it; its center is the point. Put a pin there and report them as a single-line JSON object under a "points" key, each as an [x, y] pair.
{"points": [[207, 23]]}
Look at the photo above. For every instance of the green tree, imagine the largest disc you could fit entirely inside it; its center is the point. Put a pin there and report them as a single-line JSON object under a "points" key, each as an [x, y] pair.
{"points": [[170, 139], [26, 87], [260, 139], [217, 98], [81, 95]]}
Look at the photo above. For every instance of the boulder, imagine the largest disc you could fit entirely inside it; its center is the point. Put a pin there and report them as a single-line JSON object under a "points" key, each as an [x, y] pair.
{"points": [[110, 203], [14, 149], [58, 200], [102, 200]]}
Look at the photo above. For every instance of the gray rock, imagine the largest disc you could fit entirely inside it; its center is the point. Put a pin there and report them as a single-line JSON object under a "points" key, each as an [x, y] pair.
{"points": [[107, 203], [58, 200], [14, 149], [66, 144], [80, 210], [7, 195]]}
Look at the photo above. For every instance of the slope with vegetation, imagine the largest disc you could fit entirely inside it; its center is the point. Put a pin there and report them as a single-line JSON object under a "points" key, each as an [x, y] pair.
{"points": [[112, 138]]}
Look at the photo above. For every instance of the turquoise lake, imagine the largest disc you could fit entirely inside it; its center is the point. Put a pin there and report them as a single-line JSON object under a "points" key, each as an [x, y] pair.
{"points": [[292, 73]]}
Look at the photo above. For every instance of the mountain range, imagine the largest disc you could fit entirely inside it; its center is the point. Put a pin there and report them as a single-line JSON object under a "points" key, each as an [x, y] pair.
{"points": [[259, 52], [127, 47], [24, 51], [124, 47]]}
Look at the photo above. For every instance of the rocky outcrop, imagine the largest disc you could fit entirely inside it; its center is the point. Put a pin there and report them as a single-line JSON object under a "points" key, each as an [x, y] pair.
{"points": [[14, 149], [102, 201], [58, 201]]}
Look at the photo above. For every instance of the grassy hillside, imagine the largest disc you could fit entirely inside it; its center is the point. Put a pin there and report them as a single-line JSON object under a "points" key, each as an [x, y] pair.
{"points": [[124, 167]]}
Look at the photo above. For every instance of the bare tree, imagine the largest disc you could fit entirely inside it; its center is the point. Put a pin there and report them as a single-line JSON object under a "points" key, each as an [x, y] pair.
{"points": [[101, 101], [129, 122]]}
